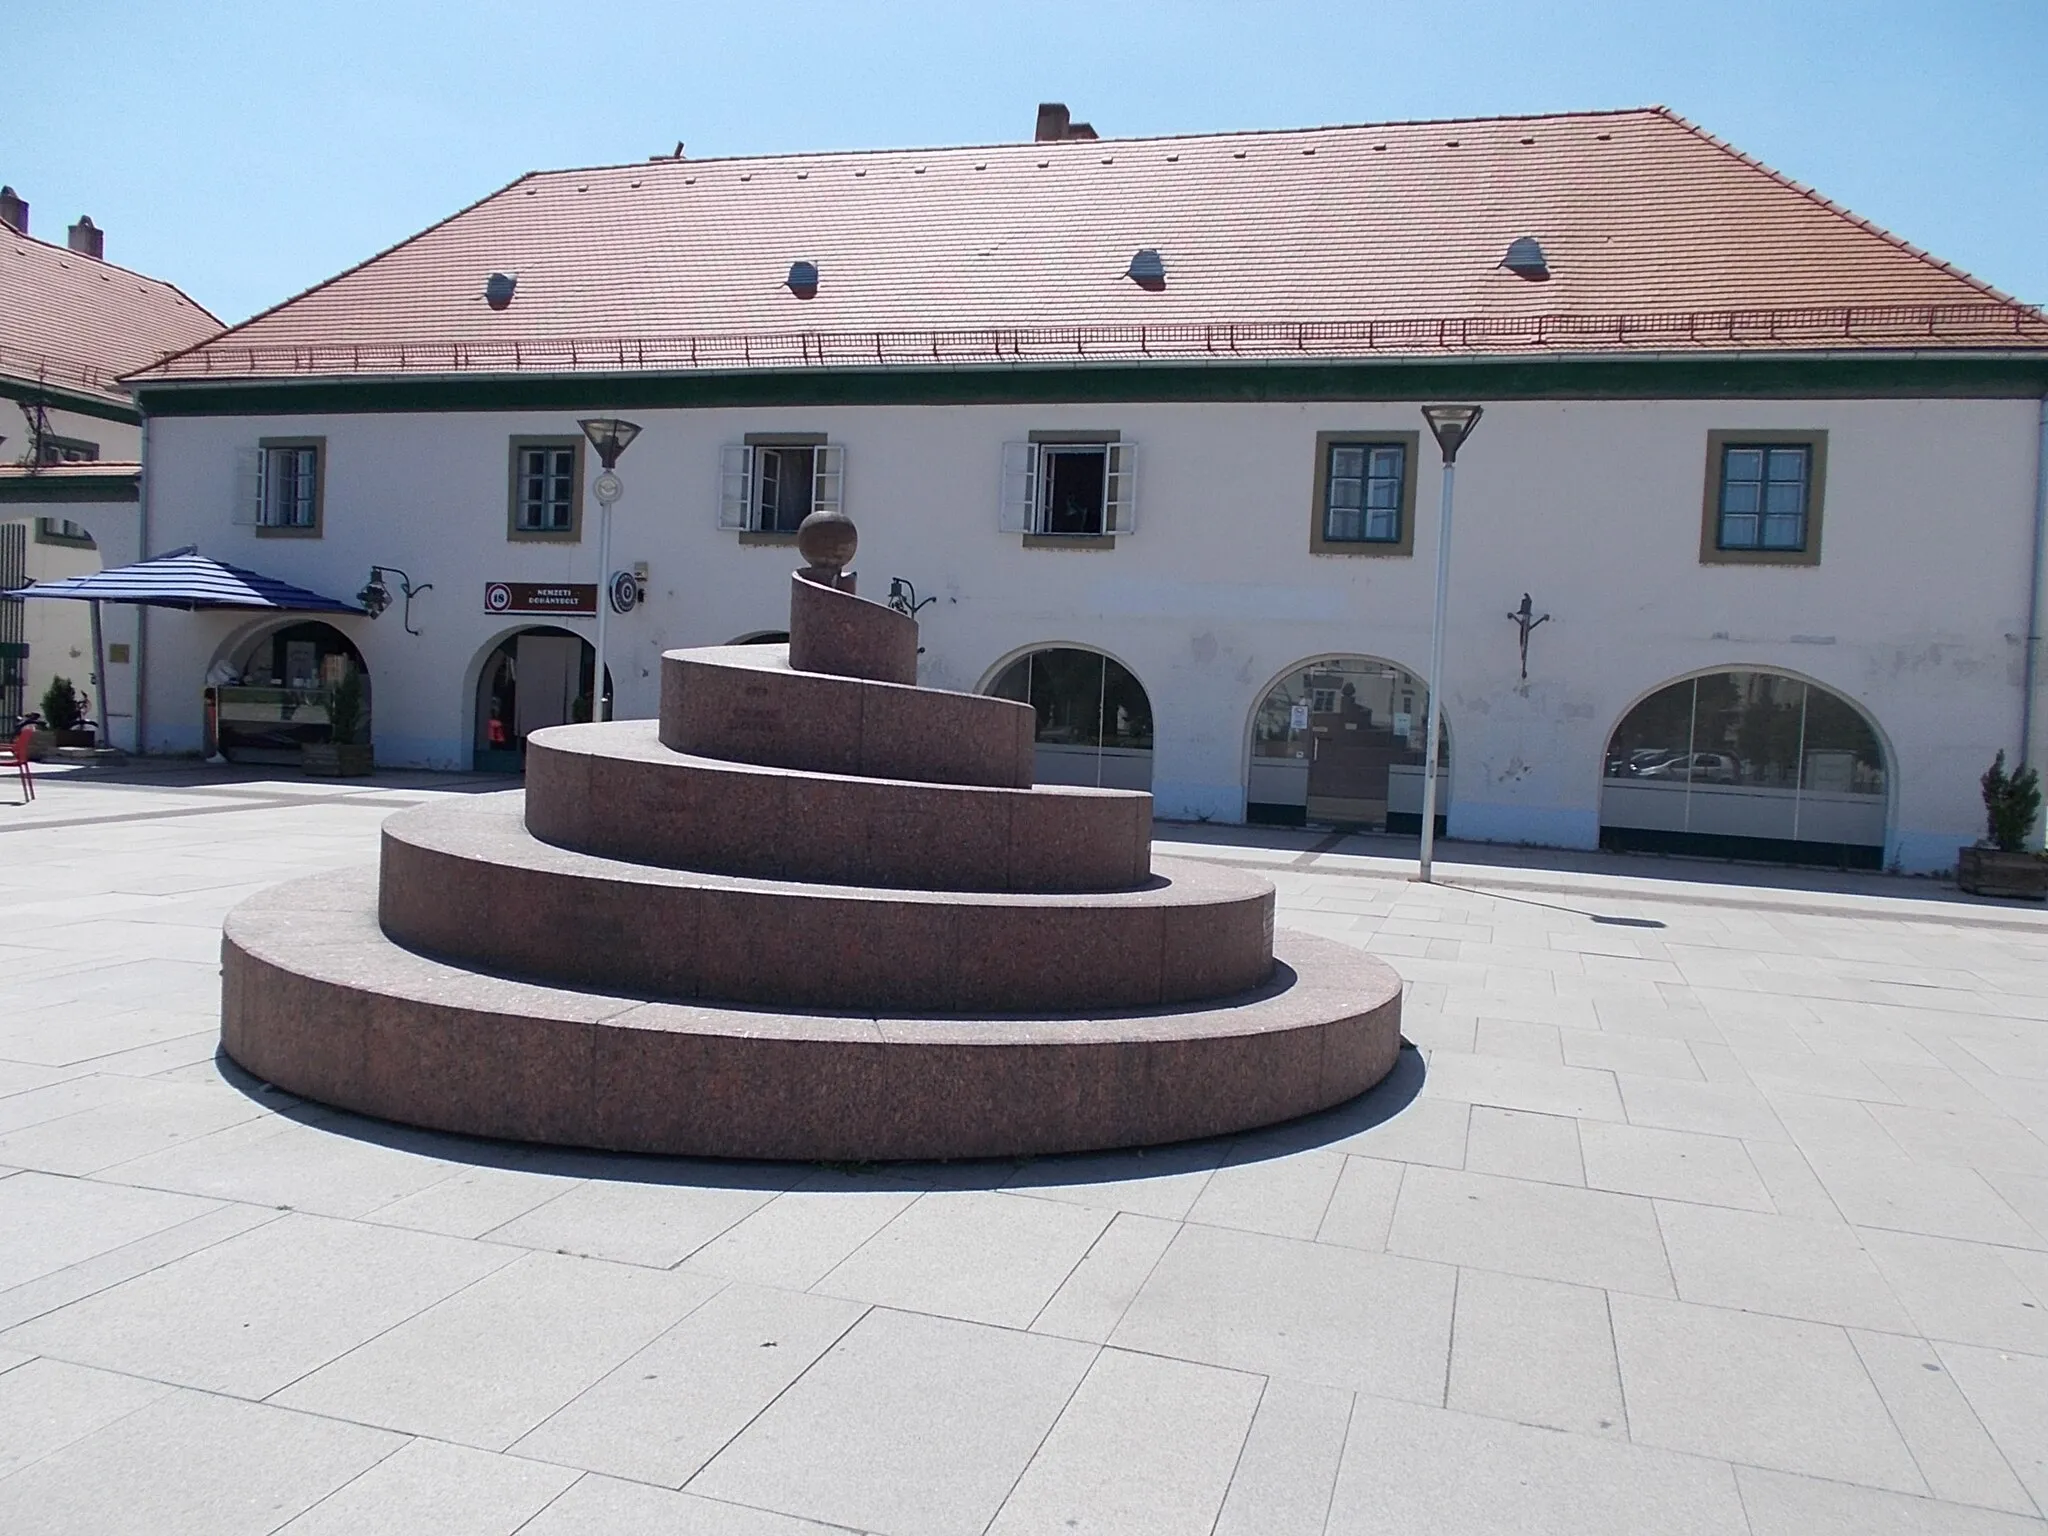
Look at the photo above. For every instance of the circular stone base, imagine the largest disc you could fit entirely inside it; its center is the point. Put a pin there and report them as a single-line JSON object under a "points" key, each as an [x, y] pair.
{"points": [[318, 1001]]}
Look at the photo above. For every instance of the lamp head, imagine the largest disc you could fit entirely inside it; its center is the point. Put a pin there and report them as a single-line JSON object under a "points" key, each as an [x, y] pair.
{"points": [[1451, 425], [375, 597], [609, 436]]}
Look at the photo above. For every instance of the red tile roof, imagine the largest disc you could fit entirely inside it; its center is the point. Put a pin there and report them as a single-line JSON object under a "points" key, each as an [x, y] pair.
{"points": [[1334, 241], [77, 324]]}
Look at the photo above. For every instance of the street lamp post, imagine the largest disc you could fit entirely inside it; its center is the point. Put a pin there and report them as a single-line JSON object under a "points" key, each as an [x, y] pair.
{"points": [[610, 437], [1451, 425]]}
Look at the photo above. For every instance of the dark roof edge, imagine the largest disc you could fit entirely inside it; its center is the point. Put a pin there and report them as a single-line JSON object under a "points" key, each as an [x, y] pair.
{"points": [[84, 402], [1860, 374]]}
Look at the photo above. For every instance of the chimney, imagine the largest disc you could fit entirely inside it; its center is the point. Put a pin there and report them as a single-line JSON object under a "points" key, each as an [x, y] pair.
{"points": [[88, 239], [1056, 123], [13, 211]]}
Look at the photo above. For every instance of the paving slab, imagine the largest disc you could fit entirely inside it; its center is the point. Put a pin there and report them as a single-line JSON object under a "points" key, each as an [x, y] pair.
{"points": [[252, 1314], [1432, 1472], [495, 1359], [52, 1223], [1306, 1312], [1537, 1352], [190, 1464], [46, 1405], [1146, 1447], [1783, 1505], [1287, 1471], [428, 1488], [2009, 1394], [1545, 1231], [1766, 1391], [990, 1258], [1782, 1265], [914, 1426], [665, 1411]]}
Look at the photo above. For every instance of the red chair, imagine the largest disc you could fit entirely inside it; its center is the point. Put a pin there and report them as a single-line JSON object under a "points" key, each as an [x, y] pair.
{"points": [[16, 756]]}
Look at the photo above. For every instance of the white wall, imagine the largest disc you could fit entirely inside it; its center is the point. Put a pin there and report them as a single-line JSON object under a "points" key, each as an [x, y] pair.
{"points": [[1914, 612]]}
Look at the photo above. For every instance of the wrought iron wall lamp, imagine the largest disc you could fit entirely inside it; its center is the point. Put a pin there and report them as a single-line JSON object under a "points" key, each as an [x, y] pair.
{"points": [[376, 597]]}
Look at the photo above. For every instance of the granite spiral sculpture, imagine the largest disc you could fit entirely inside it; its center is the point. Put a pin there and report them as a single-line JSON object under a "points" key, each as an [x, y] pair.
{"points": [[813, 911]]}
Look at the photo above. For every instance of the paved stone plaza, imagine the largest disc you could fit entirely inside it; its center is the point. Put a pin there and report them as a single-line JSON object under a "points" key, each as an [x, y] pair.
{"points": [[1698, 1208]]}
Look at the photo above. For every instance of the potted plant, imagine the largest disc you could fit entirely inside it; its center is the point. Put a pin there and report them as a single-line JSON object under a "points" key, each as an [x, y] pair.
{"points": [[343, 754], [2000, 863], [64, 714]]}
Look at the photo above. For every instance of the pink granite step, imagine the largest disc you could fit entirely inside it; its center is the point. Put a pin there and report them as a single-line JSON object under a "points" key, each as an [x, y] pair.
{"points": [[832, 630], [613, 789], [745, 704], [317, 1000], [465, 880]]}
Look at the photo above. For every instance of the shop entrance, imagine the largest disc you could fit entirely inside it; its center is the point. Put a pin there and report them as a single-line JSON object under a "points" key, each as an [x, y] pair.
{"points": [[1747, 764], [531, 680], [1094, 719], [270, 696], [1339, 743]]}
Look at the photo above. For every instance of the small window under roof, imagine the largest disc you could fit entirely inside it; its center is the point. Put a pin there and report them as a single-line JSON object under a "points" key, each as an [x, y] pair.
{"points": [[499, 288], [803, 279], [1148, 270], [1526, 260]]}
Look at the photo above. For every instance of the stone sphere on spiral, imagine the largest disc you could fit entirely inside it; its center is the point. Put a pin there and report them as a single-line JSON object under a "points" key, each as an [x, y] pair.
{"points": [[827, 540]]}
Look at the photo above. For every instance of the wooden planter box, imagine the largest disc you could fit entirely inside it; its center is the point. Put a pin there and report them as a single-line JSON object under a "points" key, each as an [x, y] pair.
{"points": [[1989, 872], [337, 760]]}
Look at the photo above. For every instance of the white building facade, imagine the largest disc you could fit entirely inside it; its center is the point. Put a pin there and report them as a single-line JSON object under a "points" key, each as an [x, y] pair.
{"points": [[1915, 610], [1771, 481]]}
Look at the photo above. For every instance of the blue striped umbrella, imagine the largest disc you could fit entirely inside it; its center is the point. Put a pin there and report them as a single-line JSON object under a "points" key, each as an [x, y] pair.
{"points": [[184, 578]]}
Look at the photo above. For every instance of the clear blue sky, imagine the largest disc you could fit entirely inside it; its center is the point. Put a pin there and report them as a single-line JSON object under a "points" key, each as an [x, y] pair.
{"points": [[246, 151]]}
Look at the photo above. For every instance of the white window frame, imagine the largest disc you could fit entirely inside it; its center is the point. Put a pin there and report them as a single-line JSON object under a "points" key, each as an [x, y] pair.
{"points": [[534, 515], [739, 483], [257, 482], [1020, 505]]}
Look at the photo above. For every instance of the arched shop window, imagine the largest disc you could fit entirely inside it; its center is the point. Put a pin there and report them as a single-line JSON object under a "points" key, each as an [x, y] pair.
{"points": [[1094, 719], [536, 678], [1746, 764], [270, 696], [1339, 743]]}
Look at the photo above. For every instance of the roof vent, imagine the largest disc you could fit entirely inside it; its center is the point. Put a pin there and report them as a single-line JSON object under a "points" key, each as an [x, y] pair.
{"points": [[87, 238], [498, 290], [1148, 270], [803, 279], [13, 211], [1525, 260]]}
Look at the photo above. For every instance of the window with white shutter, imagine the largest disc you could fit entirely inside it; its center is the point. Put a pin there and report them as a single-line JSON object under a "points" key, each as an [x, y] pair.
{"points": [[735, 486], [1017, 510], [289, 487], [770, 483], [1069, 485]]}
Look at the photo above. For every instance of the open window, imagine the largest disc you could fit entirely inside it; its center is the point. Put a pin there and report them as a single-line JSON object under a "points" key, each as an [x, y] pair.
{"points": [[280, 486], [1069, 487], [770, 483]]}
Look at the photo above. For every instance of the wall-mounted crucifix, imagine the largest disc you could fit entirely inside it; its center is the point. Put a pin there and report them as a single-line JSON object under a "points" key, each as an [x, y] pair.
{"points": [[1521, 619]]}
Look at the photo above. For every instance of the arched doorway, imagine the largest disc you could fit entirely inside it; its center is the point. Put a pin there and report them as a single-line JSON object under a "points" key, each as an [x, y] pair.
{"points": [[1747, 764], [1339, 742], [271, 689], [1094, 717], [532, 679]]}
